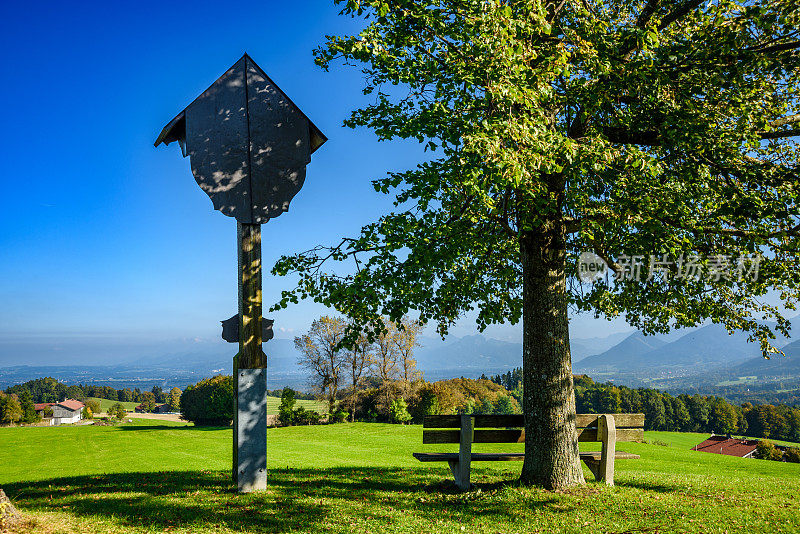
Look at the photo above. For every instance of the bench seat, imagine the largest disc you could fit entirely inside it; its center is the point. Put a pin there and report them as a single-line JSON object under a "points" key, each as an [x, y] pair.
{"points": [[508, 456], [468, 429]]}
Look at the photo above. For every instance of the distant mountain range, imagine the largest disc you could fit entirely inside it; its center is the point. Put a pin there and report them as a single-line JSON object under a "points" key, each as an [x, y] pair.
{"points": [[776, 366], [709, 348], [628, 352], [682, 359], [182, 362]]}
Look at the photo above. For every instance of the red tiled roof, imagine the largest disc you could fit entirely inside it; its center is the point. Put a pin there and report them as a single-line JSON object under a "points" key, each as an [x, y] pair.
{"points": [[71, 404], [42, 405], [727, 446]]}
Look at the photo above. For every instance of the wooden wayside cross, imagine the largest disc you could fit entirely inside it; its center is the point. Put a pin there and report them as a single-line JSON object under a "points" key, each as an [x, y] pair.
{"points": [[249, 145]]}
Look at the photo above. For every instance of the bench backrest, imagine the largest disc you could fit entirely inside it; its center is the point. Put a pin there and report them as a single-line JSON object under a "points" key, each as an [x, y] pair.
{"points": [[507, 428]]}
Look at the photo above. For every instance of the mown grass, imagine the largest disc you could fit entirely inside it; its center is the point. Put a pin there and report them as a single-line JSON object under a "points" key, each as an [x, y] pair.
{"points": [[162, 477], [313, 405]]}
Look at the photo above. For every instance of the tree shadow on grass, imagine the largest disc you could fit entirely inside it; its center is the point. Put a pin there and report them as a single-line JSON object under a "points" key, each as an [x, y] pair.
{"points": [[297, 500], [185, 426], [658, 487]]}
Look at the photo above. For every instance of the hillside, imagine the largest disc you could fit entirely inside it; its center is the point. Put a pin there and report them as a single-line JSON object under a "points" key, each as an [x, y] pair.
{"points": [[106, 404], [700, 350], [776, 366], [361, 478], [623, 355]]}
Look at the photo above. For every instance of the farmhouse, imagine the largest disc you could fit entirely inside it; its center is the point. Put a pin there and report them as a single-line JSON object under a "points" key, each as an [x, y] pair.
{"points": [[42, 406], [743, 448], [67, 412]]}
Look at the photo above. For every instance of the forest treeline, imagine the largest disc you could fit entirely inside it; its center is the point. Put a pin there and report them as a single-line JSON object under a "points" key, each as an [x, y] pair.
{"points": [[680, 413], [49, 389], [378, 381]]}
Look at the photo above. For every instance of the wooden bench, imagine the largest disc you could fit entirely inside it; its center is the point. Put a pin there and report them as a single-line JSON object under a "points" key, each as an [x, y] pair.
{"points": [[607, 429]]}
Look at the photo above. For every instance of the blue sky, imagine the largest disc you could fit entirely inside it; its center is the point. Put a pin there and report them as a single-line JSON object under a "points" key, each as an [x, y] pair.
{"points": [[101, 234]]}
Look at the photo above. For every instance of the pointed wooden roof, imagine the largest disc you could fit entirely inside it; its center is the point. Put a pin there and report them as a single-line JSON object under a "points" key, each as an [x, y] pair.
{"points": [[175, 130]]}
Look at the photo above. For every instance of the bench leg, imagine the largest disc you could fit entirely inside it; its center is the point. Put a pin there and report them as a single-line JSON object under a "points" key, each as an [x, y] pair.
{"points": [[608, 433], [460, 473], [594, 467]]}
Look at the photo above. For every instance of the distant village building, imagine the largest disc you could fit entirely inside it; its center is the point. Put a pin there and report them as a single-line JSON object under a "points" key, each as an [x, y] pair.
{"points": [[160, 408], [729, 446], [67, 412]]}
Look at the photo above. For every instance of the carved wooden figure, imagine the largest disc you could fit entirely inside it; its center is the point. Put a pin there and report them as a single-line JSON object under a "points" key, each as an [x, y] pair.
{"points": [[248, 146]]}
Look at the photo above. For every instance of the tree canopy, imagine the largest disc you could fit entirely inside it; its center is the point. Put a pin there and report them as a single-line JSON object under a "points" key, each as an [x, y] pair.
{"points": [[659, 136], [665, 126]]}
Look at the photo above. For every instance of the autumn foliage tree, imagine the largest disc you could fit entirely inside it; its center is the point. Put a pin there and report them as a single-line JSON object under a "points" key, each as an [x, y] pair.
{"points": [[322, 355], [637, 128]]}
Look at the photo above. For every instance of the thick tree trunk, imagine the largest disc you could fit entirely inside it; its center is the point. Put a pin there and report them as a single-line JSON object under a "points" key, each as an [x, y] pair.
{"points": [[551, 442]]}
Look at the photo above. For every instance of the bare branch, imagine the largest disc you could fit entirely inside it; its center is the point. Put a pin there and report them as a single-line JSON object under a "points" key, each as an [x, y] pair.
{"points": [[783, 121]]}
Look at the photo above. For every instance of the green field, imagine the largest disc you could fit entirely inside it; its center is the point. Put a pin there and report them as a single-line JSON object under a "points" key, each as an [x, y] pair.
{"points": [[272, 405], [317, 406], [105, 404], [151, 476]]}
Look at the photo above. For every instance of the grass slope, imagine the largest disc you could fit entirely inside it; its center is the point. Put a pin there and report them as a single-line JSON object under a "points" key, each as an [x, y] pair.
{"points": [[351, 478], [316, 406], [105, 404]]}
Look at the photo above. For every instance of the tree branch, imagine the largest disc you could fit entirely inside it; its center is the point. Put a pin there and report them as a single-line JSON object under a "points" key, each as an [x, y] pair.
{"points": [[782, 47], [647, 13], [619, 135], [783, 121], [735, 232], [779, 135], [679, 13], [623, 136]]}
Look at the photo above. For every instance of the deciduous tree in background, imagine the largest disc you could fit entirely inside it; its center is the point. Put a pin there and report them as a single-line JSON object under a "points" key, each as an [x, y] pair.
{"points": [[622, 127], [29, 414], [117, 411], [159, 394], [322, 355], [148, 403], [209, 402], [174, 399], [385, 356], [93, 405], [10, 409], [356, 362], [405, 341], [286, 408]]}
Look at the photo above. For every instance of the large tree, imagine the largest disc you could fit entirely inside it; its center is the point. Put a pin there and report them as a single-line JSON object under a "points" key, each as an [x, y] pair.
{"points": [[322, 355], [631, 129], [405, 341], [357, 358]]}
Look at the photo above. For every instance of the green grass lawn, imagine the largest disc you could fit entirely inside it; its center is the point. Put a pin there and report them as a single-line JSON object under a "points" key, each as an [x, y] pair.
{"points": [[151, 476], [317, 406]]}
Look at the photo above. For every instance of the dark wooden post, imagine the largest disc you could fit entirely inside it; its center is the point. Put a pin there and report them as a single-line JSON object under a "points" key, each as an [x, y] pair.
{"points": [[249, 145], [250, 414], [251, 356]]}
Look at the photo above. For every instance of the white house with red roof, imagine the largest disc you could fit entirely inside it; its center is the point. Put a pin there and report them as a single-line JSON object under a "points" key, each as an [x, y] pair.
{"points": [[67, 412]]}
